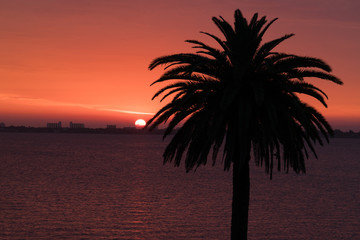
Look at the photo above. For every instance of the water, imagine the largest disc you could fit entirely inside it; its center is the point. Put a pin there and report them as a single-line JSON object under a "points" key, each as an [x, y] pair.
{"points": [[88, 186]]}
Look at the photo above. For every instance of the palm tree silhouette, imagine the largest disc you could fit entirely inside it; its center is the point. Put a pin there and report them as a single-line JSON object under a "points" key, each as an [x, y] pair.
{"points": [[246, 96]]}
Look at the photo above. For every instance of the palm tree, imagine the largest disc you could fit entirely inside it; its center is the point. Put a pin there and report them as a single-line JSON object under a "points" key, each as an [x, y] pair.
{"points": [[243, 96]]}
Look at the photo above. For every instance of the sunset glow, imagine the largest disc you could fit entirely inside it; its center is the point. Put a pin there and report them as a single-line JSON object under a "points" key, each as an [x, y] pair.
{"points": [[140, 123], [88, 60]]}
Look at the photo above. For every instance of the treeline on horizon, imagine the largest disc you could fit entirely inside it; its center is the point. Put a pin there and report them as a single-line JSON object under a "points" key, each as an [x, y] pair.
{"points": [[128, 130]]}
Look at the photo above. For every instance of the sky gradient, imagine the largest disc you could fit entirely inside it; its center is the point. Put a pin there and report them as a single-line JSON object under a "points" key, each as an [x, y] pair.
{"points": [[86, 61]]}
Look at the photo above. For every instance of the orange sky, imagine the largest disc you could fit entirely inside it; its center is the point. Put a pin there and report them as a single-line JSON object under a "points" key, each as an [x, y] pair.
{"points": [[86, 61]]}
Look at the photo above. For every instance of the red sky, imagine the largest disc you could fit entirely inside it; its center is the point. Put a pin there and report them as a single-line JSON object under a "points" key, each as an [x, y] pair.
{"points": [[86, 61]]}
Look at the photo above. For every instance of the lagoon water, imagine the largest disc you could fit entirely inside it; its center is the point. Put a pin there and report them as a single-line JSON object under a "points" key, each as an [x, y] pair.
{"points": [[93, 186]]}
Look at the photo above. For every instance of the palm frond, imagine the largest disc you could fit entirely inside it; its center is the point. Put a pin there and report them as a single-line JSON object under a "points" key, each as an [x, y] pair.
{"points": [[265, 49], [241, 96]]}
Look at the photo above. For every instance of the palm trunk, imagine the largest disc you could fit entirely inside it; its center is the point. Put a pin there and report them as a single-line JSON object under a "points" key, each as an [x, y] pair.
{"points": [[240, 204]]}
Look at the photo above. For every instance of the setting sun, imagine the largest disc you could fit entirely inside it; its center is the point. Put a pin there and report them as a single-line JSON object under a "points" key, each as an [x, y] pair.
{"points": [[140, 123]]}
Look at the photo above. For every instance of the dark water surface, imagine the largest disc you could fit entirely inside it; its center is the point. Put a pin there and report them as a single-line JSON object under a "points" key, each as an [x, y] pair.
{"points": [[85, 186]]}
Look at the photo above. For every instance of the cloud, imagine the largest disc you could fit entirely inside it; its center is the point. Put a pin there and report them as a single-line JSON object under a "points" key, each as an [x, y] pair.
{"points": [[46, 102], [125, 111]]}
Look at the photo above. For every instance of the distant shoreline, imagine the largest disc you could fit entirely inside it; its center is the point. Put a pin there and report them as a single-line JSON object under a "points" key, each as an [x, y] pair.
{"points": [[349, 134], [126, 130]]}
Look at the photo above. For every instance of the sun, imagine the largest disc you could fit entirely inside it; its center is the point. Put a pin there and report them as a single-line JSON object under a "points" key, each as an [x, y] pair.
{"points": [[140, 123]]}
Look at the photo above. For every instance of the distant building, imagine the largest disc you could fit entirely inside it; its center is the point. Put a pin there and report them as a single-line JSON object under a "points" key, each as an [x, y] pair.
{"points": [[2, 125], [77, 125], [111, 126], [53, 125]]}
